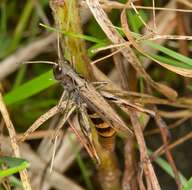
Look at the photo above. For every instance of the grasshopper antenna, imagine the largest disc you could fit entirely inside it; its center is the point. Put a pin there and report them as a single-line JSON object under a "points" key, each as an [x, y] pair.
{"points": [[47, 62]]}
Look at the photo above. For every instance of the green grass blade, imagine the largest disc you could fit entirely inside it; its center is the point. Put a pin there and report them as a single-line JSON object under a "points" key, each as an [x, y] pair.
{"points": [[15, 165], [171, 61], [169, 52], [30, 88], [167, 168], [188, 185], [75, 35], [135, 21]]}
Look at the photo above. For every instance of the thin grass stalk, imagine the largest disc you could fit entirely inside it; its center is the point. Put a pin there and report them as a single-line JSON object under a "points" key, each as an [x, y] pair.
{"points": [[12, 135]]}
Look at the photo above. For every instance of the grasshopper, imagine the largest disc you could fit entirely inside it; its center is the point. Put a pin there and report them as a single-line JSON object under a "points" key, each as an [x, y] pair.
{"points": [[80, 95], [84, 92]]}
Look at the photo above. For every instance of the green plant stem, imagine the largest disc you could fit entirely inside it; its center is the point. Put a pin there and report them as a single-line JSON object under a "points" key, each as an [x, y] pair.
{"points": [[67, 19]]}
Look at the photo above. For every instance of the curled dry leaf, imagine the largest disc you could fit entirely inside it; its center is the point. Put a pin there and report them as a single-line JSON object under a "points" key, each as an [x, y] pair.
{"points": [[165, 90], [181, 71], [127, 52]]}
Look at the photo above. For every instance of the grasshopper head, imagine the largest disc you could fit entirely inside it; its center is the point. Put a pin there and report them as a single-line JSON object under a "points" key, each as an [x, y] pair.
{"points": [[59, 70]]}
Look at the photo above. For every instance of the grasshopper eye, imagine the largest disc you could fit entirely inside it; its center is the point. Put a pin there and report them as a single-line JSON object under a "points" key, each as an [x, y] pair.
{"points": [[66, 62], [57, 71]]}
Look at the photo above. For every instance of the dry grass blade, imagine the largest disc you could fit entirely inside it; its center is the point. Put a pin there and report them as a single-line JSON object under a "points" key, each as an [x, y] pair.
{"points": [[38, 134], [107, 56], [127, 52], [158, 101], [140, 99], [165, 137], [178, 70], [108, 5], [126, 103], [15, 147], [176, 124], [180, 141], [145, 160], [165, 90], [171, 37], [176, 114]]}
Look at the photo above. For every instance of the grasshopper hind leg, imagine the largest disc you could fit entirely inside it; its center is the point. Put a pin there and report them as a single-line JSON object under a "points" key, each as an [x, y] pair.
{"points": [[87, 130]]}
